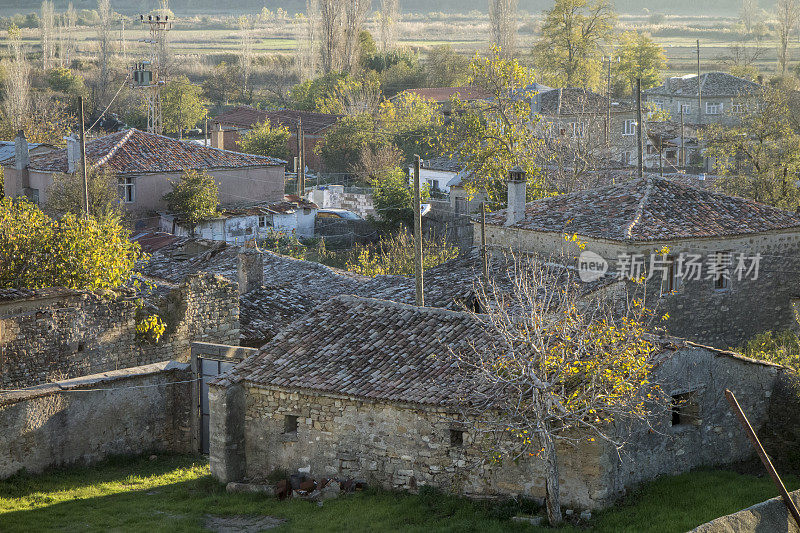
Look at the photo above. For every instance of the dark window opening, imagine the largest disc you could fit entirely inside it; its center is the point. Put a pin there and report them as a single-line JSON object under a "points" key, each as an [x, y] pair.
{"points": [[290, 424], [685, 409], [80, 347], [456, 438], [722, 274]]}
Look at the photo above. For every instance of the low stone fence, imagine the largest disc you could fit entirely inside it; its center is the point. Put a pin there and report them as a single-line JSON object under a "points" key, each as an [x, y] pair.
{"points": [[84, 420], [771, 515]]}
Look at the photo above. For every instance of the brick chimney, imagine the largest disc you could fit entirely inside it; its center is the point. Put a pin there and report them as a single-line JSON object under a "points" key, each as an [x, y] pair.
{"points": [[251, 270], [22, 156], [516, 196], [73, 154]]}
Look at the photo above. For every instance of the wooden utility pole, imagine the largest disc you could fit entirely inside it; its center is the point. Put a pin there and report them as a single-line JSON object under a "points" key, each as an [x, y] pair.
{"points": [[683, 144], [420, 296], [484, 259], [205, 133], [639, 126], [83, 162], [699, 97], [737, 410], [300, 160]]}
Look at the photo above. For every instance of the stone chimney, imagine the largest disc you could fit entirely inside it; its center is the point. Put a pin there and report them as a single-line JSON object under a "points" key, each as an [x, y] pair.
{"points": [[516, 196], [218, 137], [251, 270], [22, 156], [73, 154]]}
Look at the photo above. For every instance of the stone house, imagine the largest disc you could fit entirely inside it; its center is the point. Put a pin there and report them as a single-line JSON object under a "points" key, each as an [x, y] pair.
{"points": [[722, 96], [229, 127], [8, 149], [145, 165], [237, 225], [717, 300], [363, 388]]}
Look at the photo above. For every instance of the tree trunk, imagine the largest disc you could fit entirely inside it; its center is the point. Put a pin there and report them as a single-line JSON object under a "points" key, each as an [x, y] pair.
{"points": [[552, 490]]}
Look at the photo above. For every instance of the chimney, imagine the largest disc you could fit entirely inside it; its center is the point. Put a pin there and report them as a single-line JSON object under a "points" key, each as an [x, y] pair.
{"points": [[251, 270], [22, 156], [218, 136], [516, 196], [73, 154]]}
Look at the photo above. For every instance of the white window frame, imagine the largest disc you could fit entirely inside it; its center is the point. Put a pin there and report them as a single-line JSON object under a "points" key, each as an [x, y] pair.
{"points": [[126, 187], [262, 221], [737, 109], [713, 108], [687, 109], [629, 126]]}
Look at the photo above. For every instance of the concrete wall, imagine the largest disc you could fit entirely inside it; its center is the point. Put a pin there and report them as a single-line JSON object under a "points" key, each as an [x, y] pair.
{"points": [[697, 310], [75, 334], [54, 425], [389, 445], [335, 197]]}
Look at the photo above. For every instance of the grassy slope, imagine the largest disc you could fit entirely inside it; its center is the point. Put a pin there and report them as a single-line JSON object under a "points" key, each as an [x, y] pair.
{"points": [[174, 494]]}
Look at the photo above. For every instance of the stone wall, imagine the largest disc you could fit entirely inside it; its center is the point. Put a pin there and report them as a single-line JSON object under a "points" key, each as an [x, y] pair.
{"points": [[65, 334], [697, 311], [87, 419], [768, 516], [712, 436], [443, 222], [389, 445], [338, 197]]}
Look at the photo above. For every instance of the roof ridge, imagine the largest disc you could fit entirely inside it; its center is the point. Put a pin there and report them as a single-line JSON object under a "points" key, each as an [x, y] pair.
{"points": [[399, 305], [103, 160], [628, 230]]}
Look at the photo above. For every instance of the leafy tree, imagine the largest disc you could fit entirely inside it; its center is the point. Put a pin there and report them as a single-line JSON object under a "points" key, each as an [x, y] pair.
{"points": [[444, 67], [561, 369], [394, 199], [182, 105], [305, 96], [352, 95], [492, 136], [570, 48], [66, 193], [342, 144], [264, 139], [401, 76], [194, 197], [49, 124], [64, 80], [781, 347], [640, 57], [394, 256], [78, 253], [410, 122], [222, 85], [760, 153]]}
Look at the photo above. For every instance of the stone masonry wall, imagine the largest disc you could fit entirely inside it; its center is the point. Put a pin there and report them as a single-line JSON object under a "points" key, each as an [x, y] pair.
{"points": [[393, 446], [72, 334], [53, 425]]}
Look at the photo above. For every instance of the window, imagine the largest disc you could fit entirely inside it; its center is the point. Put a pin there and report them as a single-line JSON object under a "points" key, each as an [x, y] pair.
{"points": [[686, 109], [290, 425], [461, 206], [577, 129], [262, 221], [629, 127], [673, 280], [456, 438], [737, 109], [627, 158], [685, 409], [713, 108], [720, 271], [127, 190]]}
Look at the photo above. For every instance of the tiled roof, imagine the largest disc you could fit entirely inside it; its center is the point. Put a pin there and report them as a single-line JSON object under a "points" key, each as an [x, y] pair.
{"points": [[10, 295], [135, 151], [647, 209], [573, 100], [8, 149], [444, 94], [366, 348], [443, 163], [247, 117], [713, 84]]}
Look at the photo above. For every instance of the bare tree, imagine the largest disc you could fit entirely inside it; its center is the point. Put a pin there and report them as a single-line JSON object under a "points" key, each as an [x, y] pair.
{"points": [[787, 13], [246, 51], [307, 43], [389, 18], [105, 20], [330, 15], [503, 19], [355, 14], [563, 368], [17, 80], [47, 27], [70, 19], [748, 14]]}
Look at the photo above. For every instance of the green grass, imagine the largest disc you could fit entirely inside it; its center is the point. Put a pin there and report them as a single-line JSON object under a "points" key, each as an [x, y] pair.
{"points": [[174, 493]]}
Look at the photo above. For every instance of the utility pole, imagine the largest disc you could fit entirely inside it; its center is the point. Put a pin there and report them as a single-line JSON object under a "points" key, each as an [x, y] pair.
{"points": [[639, 126], [699, 97], [205, 133], [683, 144], [483, 243], [419, 295], [299, 159], [83, 162]]}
